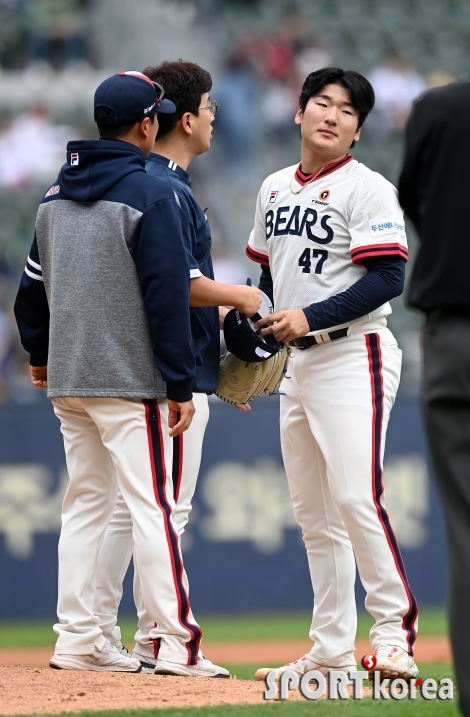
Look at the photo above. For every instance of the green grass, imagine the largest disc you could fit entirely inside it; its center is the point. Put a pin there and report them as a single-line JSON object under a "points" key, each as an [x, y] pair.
{"points": [[351, 708], [220, 628]]}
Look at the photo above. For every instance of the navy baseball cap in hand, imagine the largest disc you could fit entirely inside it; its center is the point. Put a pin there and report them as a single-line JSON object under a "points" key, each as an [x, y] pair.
{"points": [[130, 97]]}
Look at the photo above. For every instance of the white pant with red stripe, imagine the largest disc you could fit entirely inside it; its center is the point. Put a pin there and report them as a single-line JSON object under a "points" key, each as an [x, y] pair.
{"points": [[118, 545], [334, 415], [111, 445]]}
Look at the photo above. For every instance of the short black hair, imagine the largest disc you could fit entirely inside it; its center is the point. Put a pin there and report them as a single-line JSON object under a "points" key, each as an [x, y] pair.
{"points": [[112, 131], [361, 91], [184, 84]]}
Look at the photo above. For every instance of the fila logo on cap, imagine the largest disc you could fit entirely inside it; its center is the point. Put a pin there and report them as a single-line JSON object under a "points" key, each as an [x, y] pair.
{"points": [[74, 159]]}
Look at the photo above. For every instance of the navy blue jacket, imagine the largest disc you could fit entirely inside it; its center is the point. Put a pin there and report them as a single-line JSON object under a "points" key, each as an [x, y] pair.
{"points": [[197, 239], [104, 298]]}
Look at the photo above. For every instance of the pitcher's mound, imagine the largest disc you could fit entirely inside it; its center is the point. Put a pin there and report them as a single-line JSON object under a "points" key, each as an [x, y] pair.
{"points": [[29, 690]]}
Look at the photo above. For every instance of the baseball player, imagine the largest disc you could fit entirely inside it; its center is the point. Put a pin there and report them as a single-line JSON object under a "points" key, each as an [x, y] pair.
{"points": [[181, 137], [330, 237], [92, 311]]}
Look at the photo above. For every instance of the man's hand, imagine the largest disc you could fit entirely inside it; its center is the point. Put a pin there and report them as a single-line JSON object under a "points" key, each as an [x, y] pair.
{"points": [[289, 325], [243, 407], [39, 376], [180, 416], [248, 300]]}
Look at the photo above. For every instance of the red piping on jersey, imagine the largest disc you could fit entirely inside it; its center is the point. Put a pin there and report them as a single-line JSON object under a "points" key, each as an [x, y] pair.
{"points": [[257, 256], [303, 179], [374, 355], [364, 252]]}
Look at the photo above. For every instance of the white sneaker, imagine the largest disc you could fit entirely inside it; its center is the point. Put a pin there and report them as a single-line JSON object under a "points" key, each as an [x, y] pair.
{"points": [[148, 663], [301, 666], [392, 662], [204, 668], [123, 650], [109, 659]]}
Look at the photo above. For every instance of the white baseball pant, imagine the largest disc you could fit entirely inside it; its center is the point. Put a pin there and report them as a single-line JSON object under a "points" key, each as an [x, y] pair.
{"points": [[118, 545], [111, 445], [334, 416]]}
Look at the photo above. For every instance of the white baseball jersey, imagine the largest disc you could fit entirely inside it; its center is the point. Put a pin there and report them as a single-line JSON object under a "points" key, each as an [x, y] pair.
{"points": [[315, 238]]}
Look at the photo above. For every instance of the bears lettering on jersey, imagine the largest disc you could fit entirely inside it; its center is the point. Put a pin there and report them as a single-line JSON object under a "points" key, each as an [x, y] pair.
{"points": [[298, 222], [315, 238]]}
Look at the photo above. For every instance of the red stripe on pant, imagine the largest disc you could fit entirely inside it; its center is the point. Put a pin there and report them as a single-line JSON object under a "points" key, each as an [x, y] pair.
{"points": [[155, 438], [375, 369], [177, 467], [156, 644]]}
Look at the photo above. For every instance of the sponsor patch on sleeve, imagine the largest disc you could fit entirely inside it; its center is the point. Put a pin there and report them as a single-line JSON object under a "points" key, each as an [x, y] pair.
{"points": [[53, 190], [382, 227]]}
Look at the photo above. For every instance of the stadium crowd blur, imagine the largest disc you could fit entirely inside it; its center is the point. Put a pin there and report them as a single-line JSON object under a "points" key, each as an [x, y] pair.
{"points": [[53, 54]]}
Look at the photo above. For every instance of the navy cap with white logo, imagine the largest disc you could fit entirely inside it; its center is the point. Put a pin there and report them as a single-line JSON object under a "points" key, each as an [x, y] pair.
{"points": [[130, 97], [244, 342]]}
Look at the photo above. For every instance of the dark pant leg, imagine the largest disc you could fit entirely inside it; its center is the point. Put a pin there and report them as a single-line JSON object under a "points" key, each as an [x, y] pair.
{"points": [[446, 404]]}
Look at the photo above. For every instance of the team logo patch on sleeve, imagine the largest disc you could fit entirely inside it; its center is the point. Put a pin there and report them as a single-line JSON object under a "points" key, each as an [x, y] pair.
{"points": [[381, 227], [272, 197], [74, 159], [53, 190]]}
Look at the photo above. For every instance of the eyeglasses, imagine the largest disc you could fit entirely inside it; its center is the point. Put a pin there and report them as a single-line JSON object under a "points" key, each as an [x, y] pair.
{"points": [[212, 107], [160, 92]]}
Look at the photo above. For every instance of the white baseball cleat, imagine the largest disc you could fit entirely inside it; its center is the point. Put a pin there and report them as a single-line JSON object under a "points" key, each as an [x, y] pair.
{"points": [[109, 659], [393, 662], [204, 668], [148, 663], [123, 650], [301, 666]]}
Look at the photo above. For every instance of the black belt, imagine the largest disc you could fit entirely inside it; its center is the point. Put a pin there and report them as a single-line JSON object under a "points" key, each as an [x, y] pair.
{"points": [[304, 342]]}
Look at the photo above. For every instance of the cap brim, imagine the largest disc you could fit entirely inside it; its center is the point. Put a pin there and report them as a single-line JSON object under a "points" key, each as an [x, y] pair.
{"points": [[167, 107]]}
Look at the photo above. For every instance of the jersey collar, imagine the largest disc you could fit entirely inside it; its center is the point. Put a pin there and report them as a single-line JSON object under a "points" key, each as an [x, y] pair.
{"points": [[302, 179], [159, 159]]}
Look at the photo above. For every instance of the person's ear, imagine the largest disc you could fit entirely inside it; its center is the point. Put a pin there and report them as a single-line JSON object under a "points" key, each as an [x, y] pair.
{"points": [[298, 116], [186, 123], [357, 136], [144, 127]]}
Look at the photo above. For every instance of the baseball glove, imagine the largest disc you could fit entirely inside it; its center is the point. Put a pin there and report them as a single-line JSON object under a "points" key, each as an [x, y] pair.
{"points": [[240, 382]]}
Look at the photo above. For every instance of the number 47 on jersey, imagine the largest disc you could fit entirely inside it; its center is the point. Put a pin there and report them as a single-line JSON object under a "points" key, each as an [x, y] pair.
{"points": [[305, 260]]}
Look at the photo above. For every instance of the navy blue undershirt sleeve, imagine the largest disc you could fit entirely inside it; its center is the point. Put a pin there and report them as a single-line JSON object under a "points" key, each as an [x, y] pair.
{"points": [[384, 280], [266, 281], [32, 310]]}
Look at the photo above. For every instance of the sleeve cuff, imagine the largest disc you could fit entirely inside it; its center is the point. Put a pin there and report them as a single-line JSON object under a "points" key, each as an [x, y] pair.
{"points": [[179, 391], [257, 256], [373, 250], [194, 273], [310, 318], [39, 358]]}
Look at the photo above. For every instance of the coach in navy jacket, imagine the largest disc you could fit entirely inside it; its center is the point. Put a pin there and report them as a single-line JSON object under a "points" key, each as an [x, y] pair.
{"points": [[104, 297]]}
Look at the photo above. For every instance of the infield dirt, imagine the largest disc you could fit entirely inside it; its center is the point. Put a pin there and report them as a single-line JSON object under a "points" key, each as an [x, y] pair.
{"points": [[36, 690], [259, 653]]}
